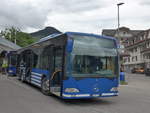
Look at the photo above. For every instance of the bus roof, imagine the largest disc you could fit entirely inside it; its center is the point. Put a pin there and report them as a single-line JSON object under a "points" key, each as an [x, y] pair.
{"points": [[74, 33], [69, 34], [90, 34]]}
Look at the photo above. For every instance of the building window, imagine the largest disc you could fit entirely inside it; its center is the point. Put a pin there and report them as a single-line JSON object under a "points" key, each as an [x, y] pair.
{"points": [[132, 41], [135, 49], [149, 35], [124, 32], [128, 59], [136, 58], [132, 59]]}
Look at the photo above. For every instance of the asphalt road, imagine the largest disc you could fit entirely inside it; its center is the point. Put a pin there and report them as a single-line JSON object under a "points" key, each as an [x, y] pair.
{"points": [[17, 97]]}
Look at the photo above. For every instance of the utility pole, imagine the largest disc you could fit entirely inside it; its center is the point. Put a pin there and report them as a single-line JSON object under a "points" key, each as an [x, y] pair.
{"points": [[119, 4]]}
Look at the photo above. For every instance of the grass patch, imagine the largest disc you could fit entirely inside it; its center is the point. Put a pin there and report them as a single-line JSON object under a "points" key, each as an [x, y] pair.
{"points": [[123, 83]]}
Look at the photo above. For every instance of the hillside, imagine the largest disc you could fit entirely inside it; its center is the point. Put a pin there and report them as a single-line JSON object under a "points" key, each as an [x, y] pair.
{"points": [[44, 32]]}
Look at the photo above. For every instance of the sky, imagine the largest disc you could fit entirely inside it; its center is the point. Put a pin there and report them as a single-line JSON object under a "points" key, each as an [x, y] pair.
{"points": [[89, 16]]}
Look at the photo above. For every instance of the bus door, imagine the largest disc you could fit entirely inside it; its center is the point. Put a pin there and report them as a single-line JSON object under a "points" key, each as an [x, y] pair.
{"points": [[29, 60], [57, 71]]}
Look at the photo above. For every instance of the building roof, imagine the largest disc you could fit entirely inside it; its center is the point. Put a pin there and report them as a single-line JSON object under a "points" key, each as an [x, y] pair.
{"points": [[112, 32], [108, 32], [6, 43]]}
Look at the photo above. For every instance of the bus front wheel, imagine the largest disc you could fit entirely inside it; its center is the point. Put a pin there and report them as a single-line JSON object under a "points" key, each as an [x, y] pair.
{"points": [[45, 86]]}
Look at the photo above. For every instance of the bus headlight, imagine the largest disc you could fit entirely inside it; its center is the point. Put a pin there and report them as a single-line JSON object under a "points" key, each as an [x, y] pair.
{"points": [[71, 90], [114, 89], [10, 71]]}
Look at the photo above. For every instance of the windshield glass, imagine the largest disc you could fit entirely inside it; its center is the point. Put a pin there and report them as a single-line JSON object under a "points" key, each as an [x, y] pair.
{"points": [[93, 66], [94, 57], [13, 60]]}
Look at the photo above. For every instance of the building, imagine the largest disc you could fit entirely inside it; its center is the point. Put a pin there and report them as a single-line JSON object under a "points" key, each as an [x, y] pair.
{"points": [[139, 48], [123, 35], [6, 45], [136, 46]]}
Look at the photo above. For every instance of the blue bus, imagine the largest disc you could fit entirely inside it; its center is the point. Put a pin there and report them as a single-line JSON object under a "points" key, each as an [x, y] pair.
{"points": [[12, 63], [72, 65]]}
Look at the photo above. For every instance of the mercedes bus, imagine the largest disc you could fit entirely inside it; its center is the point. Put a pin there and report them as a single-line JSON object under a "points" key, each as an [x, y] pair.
{"points": [[72, 65]]}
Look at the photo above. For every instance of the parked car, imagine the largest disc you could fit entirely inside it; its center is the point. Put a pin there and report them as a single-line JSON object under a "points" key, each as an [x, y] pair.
{"points": [[138, 70], [133, 70], [147, 72]]}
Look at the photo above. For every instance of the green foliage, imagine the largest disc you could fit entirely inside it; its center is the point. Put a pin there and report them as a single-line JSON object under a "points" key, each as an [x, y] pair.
{"points": [[24, 39], [15, 35]]}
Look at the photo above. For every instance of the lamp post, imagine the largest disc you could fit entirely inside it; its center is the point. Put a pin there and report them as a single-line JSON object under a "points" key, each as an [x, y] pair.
{"points": [[120, 43], [122, 74], [119, 4]]}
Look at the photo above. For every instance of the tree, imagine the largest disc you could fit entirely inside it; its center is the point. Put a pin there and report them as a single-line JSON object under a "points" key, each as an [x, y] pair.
{"points": [[18, 37], [24, 39]]}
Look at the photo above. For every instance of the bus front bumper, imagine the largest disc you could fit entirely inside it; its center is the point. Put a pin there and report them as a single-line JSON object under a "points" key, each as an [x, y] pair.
{"points": [[76, 96]]}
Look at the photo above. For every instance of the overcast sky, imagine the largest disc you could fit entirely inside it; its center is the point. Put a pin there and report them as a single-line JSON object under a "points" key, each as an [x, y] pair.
{"points": [[74, 15]]}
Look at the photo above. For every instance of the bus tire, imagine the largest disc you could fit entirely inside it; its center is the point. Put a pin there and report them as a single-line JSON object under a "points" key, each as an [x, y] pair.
{"points": [[45, 87]]}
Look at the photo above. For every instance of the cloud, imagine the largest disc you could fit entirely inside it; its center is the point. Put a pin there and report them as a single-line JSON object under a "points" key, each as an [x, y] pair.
{"points": [[73, 15], [76, 5], [26, 14], [22, 14], [33, 14], [84, 21], [144, 2], [83, 15]]}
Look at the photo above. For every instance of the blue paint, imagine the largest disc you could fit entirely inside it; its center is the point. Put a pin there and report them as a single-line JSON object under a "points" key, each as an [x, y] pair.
{"points": [[68, 65], [88, 34], [69, 45], [12, 70], [122, 76], [43, 72], [88, 85]]}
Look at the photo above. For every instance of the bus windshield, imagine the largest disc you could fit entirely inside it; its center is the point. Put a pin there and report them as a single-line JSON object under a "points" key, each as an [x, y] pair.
{"points": [[12, 60], [94, 57]]}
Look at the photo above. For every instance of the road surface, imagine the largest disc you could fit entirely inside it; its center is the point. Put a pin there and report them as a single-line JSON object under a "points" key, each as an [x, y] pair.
{"points": [[17, 97]]}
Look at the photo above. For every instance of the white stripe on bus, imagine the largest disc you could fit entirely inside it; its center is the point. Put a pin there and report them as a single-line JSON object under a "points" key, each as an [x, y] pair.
{"points": [[109, 94], [76, 95], [36, 77], [35, 83], [36, 74], [36, 80]]}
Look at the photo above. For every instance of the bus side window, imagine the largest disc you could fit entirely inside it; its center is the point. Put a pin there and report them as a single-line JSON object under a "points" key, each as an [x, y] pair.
{"points": [[35, 60], [58, 58], [45, 58]]}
